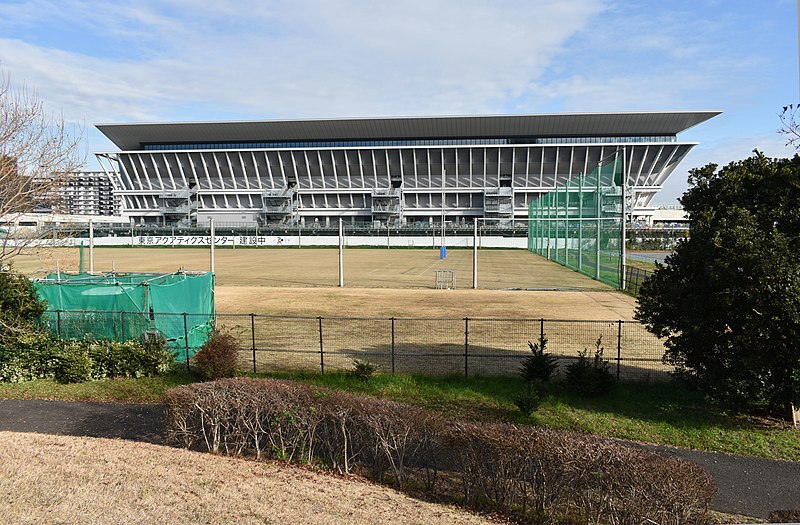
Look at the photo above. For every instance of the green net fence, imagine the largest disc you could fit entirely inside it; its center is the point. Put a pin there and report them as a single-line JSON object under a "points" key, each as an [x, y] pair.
{"points": [[579, 223], [123, 306]]}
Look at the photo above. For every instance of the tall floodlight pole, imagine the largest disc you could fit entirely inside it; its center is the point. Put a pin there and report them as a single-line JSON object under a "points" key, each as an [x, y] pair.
{"points": [[341, 254], [580, 221], [212, 242], [597, 212], [475, 254], [443, 248], [91, 246], [623, 266]]}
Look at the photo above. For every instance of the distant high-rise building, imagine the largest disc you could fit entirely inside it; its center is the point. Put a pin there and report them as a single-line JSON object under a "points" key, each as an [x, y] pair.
{"points": [[87, 193]]}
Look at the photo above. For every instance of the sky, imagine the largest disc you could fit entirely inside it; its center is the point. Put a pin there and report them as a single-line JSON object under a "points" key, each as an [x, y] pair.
{"points": [[191, 60]]}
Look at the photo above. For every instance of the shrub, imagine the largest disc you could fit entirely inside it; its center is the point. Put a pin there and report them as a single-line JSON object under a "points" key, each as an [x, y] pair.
{"points": [[362, 370], [530, 398], [20, 307], [540, 474], [28, 356], [551, 475], [591, 377], [128, 359], [219, 356], [263, 417], [538, 366], [37, 355], [73, 363]]}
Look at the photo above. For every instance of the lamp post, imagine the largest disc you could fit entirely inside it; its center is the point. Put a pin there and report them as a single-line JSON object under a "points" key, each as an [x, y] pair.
{"points": [[443, 248]]}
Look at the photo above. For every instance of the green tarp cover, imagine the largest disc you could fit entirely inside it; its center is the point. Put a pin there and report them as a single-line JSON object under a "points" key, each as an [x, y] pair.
{"points": [[125, 306]]}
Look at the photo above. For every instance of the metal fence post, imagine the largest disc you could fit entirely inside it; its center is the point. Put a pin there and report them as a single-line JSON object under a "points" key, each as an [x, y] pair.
{"points": [[253, 338], [466, 347], [186, 341], [619, 345], [122, 325], [321, 350], [58, 322], [393, 345], [541, 331]]}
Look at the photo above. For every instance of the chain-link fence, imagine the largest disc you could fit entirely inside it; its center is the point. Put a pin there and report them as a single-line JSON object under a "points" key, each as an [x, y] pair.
{"points": [[435, 346]]}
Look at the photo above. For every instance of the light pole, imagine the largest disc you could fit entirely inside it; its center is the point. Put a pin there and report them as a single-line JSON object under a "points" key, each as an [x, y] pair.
{"points": [[443, 248]]}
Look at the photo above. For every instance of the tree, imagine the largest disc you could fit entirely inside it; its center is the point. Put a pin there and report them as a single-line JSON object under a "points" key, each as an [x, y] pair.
{"points": [[20, 306], [728, 298], [37, 157], [790, 125]]}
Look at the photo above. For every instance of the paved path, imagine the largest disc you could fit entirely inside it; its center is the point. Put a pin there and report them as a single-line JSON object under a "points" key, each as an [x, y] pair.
{"points": [[747, 485]]}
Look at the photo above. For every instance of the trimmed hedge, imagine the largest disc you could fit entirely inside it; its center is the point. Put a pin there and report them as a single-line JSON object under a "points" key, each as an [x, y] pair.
{"points": [[534, 474], [37, 355]]}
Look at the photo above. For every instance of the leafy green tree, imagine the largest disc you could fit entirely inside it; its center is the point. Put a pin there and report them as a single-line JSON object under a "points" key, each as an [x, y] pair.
{"points": [[19, 304], [728, 298]]}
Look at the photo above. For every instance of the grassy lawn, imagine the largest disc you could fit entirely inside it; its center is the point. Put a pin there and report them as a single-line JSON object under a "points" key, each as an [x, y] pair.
{"points": [[119, 390], [644, 265], [661, 413], [655, 413]]}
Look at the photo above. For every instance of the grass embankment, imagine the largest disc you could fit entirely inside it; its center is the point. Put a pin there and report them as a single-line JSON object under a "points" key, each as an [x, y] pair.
{"points": [[655, 413]]}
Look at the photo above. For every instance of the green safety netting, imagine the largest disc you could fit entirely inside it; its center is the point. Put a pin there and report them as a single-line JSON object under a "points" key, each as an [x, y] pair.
{"points": [[124, 306], [579, 223]]}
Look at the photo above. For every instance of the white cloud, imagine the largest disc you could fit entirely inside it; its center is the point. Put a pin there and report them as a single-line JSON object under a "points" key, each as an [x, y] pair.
{"points": [[307, 59]]}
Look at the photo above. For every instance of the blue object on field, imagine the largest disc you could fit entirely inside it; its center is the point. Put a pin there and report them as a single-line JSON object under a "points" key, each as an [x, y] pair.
{"points": [[442, 252]]}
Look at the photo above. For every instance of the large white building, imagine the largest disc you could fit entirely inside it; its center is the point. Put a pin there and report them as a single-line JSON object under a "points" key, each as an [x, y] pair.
{"points": [[88, 193], [402, 171]]}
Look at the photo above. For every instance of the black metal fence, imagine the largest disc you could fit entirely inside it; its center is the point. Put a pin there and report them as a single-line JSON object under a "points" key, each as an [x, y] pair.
{"points": [[634, 277], [435, 346]]}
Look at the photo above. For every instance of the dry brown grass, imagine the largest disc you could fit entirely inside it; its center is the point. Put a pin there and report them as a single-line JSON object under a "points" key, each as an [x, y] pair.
{"points": [[378, 283], [58, 479], [359, 302], [364, 268], [398, 283]]}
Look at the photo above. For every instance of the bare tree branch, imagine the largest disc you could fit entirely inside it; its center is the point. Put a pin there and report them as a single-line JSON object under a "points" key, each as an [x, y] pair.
{"points": [[790, 125], [37, 156]]}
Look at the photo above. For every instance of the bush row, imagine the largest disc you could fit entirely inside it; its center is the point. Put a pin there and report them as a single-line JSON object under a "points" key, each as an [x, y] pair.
{"points": [[540, 475], [36, 355]]}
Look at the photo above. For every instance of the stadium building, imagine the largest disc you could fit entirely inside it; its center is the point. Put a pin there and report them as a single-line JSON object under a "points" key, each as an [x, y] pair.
{"points": [[397, 171]]}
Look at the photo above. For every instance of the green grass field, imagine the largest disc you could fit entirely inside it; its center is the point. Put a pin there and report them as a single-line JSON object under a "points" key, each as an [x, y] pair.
{"points": [[660, 413]]}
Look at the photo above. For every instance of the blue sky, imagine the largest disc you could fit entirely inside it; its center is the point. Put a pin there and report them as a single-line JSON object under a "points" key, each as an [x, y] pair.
{"points": [[190, 60]]}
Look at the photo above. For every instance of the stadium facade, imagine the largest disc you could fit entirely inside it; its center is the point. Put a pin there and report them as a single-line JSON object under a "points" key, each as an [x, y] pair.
{"points": [[398, 171]]}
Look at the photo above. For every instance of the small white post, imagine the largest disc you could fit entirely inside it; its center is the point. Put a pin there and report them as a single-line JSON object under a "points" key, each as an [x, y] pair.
{"points": [[212, 243], [475, 254], [341, 254], [91, 247]]}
